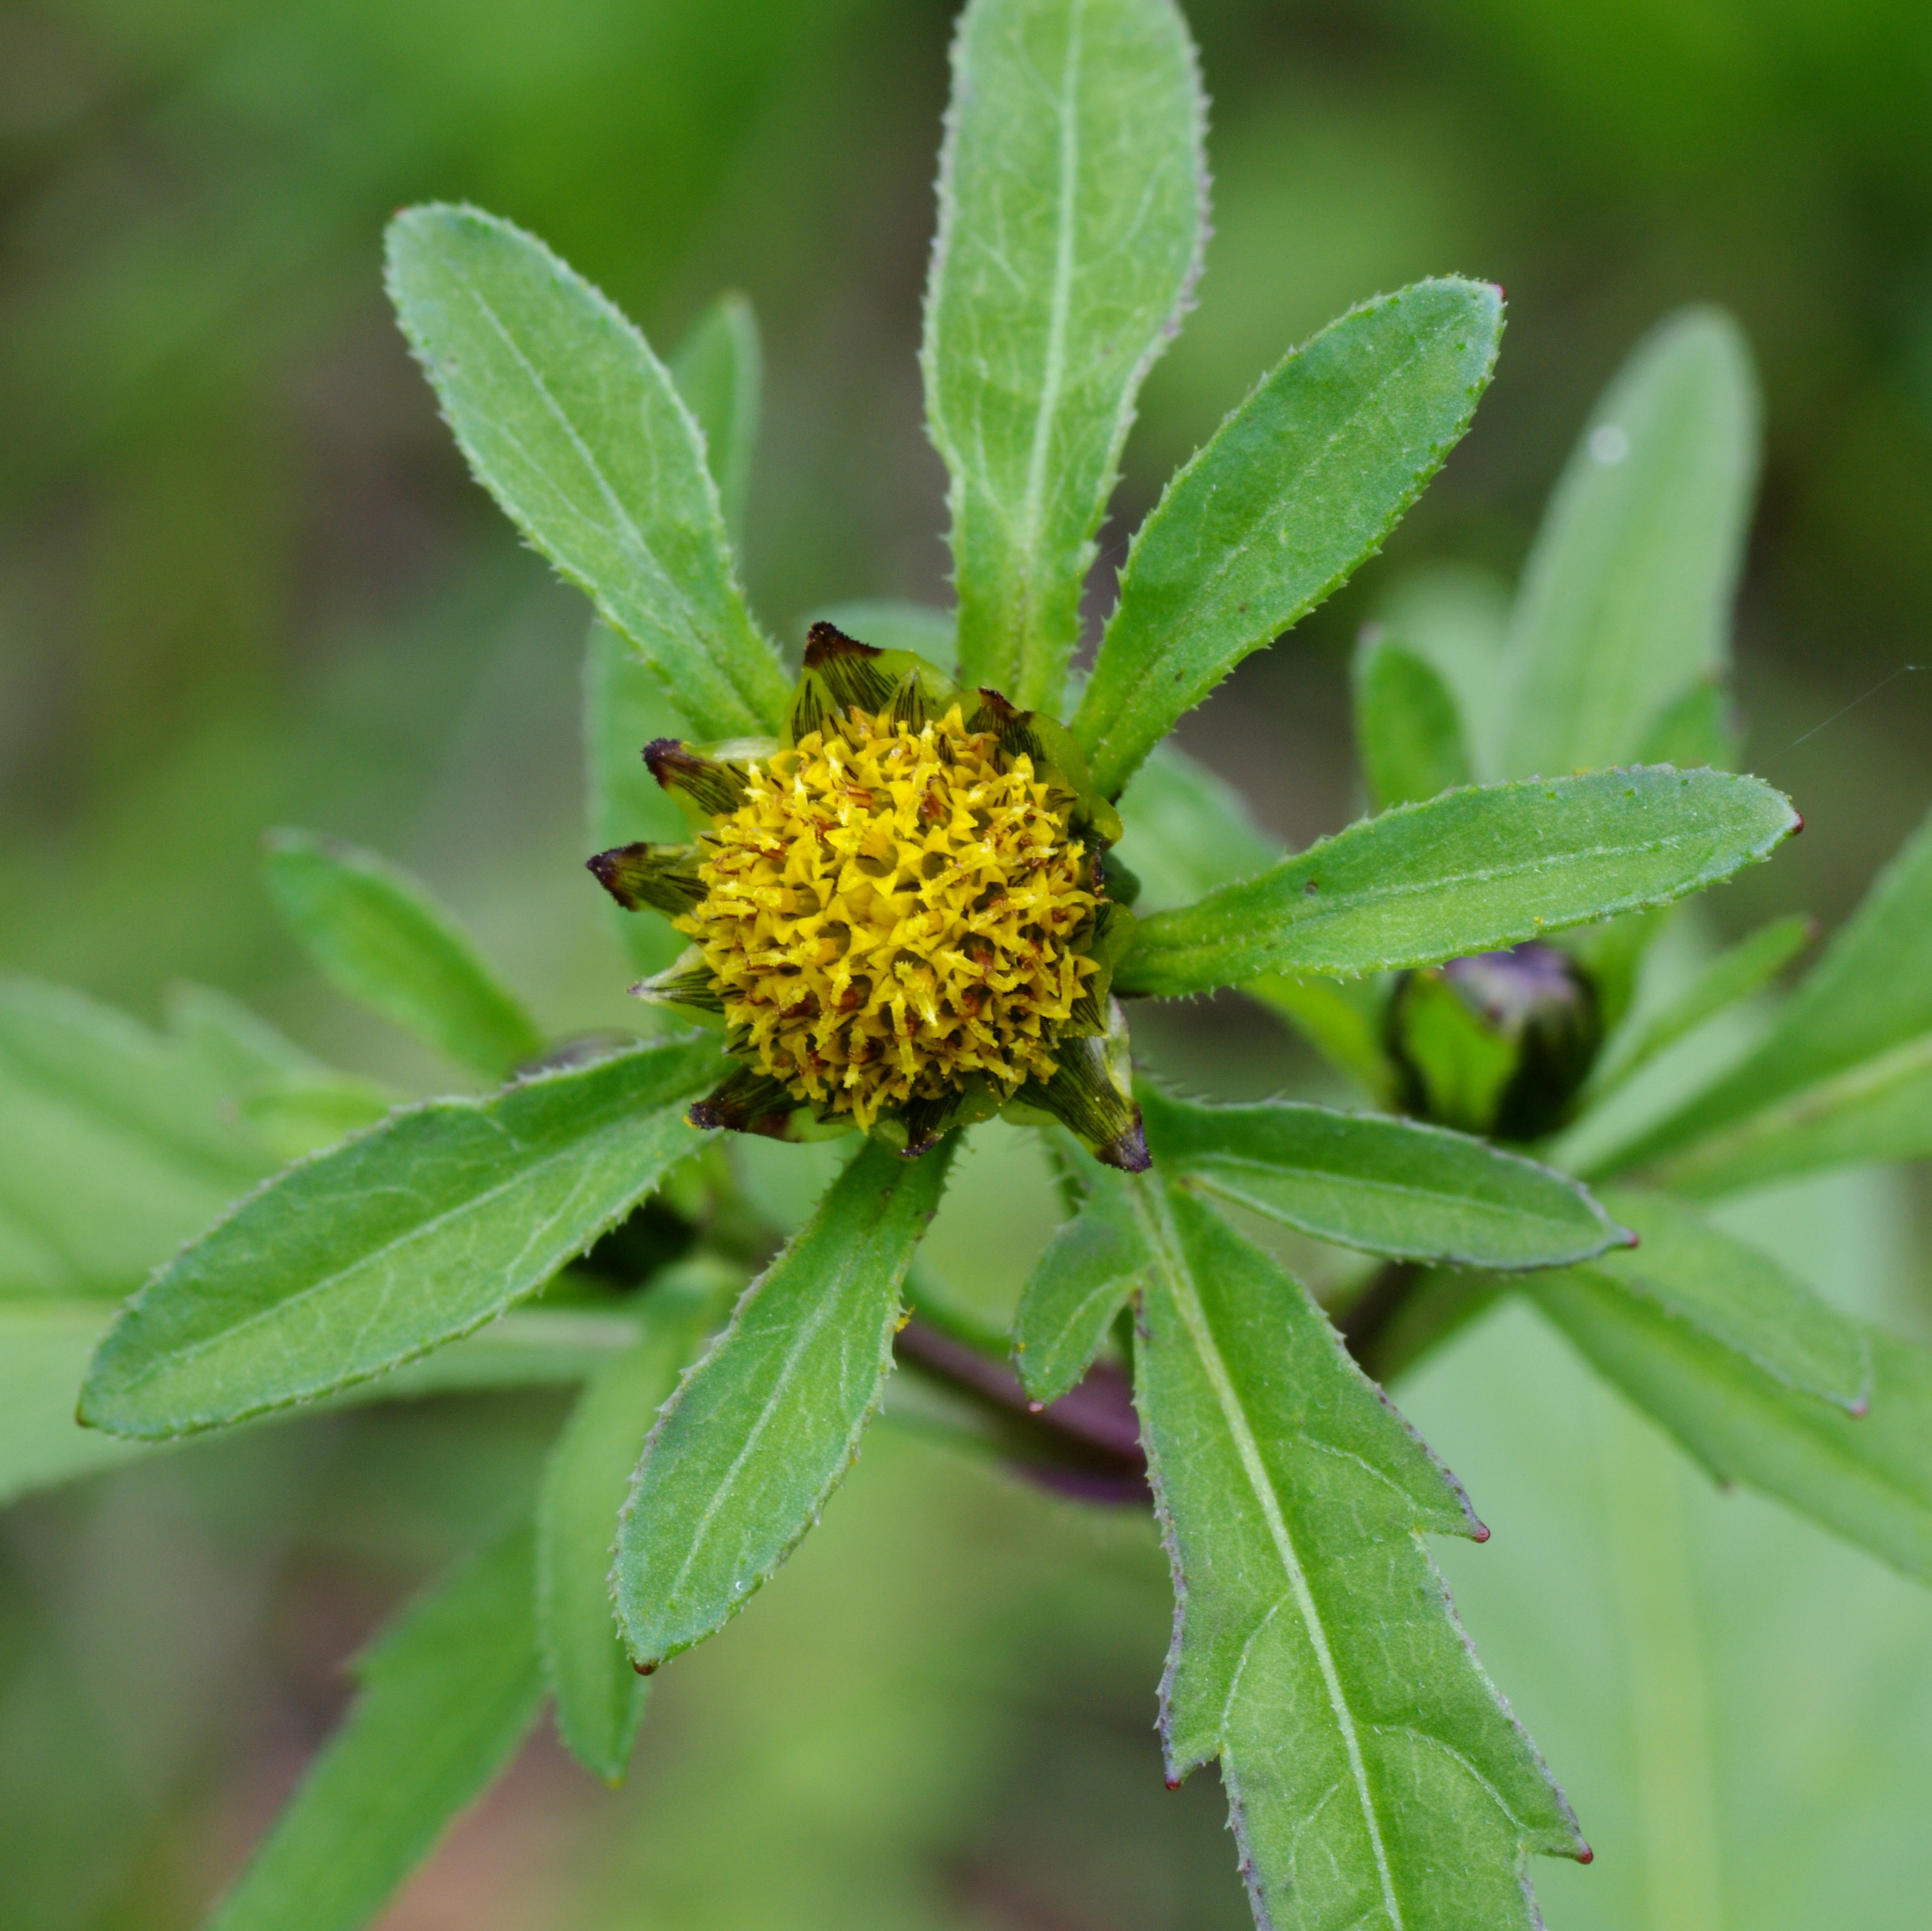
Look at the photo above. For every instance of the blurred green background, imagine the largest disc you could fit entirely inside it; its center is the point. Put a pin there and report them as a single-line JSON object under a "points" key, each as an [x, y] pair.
{"points": [[244, 581]]}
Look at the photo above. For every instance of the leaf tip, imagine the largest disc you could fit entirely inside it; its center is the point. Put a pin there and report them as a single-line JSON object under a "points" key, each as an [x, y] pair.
{"points": [[1584, 1855], [1625, 1237]]}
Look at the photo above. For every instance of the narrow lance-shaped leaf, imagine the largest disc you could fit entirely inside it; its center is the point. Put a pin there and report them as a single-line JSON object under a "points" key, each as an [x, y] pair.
{"points": [[376, 934], [116, 1144], [446, 1695], [1298, 488], [1078, 1285], [1387, 1186], [1735, 974], [1407, 729], [1473, 871], [1626, 600], [1072, 209], [1859, 1017], [762, 1430], [1867, 1479], [1737, 1299], [1374, 1777], [45, 1347], [575, 426], [719, 372], [599, 1696], [411, 1234]]}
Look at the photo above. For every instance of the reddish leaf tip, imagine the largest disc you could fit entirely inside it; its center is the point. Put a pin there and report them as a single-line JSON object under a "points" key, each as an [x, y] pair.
{"points": [[1586, 1855], [645, 1669], [1859, 1409], [1480, 1533]]}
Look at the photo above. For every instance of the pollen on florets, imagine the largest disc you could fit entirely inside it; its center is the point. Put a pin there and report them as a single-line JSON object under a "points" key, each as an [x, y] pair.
{"points": [[891, 914]]}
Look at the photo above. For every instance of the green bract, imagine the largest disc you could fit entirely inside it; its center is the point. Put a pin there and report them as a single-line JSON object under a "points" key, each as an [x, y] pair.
{"points": [[1475, 953]]}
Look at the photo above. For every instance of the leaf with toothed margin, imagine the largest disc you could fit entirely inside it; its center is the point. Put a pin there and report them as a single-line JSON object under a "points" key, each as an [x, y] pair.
{"points": [[763, 1428], [1299, 487], [1374, 1777], [576, 428], [1866, 1478], [1387, 1186], [417, 1231], [1737, 1299], [442, 1700], [46, 1345], [1072, 191], [1471, 871], [1843, 1073]]}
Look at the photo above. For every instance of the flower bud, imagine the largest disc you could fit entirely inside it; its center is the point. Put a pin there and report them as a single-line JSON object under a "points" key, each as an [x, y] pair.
{"points": [[1497, 1043]]}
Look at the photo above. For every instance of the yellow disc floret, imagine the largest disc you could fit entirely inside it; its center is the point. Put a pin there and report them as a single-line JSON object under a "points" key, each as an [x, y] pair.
{"points": [[892, 914]]}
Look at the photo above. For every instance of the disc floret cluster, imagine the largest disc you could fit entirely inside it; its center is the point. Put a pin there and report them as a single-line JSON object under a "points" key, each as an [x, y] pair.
{"points": [[899, 911]]}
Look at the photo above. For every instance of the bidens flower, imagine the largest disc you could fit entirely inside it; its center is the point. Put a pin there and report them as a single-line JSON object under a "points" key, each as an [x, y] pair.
{"points": [[900, 913]]}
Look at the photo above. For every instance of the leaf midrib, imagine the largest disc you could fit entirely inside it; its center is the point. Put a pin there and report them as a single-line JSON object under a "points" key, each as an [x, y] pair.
{"points": [[1489, 1212], [184, 1356], [1356, 899], [1053, 375], [1158, 1229]]}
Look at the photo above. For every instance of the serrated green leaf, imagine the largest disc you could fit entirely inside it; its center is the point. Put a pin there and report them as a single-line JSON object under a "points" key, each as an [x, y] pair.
{"points": [[600, 1698], [1407, 730], [116, 1144], [1373, 1776], [1298, 488], [1386, 1186], [1626, 599], [1738, 1298], [1473, 871], [45, 1347], [1867, 1479], [625, 708], [1879, 1110], [1839, 1073], [575, 427], [1078, 1286], [446, 1695], [762, 1430], [377, 935], [1187, 831], [1072, 190], [719, 371], [1735, 974], [407, 1236]]}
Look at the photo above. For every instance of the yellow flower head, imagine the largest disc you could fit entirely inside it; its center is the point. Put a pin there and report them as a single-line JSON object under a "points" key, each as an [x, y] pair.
{"points": [[892, 910], [897, 912]]}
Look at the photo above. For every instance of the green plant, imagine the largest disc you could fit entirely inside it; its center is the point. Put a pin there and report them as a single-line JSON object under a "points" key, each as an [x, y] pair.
{"points": [[1470, 954]]}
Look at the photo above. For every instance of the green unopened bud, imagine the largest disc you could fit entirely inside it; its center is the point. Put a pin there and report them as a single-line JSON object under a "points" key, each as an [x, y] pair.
{"points": [[1497, 1044]]}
